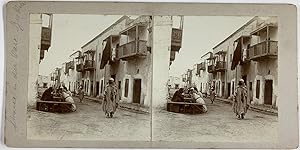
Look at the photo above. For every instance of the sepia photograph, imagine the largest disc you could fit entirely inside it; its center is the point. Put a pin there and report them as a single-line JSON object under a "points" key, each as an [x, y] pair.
{"points": [[159, 75], [222, 83], [90, 77]]}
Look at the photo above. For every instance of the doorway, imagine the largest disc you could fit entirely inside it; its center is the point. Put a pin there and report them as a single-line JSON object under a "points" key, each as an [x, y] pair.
{"points": [[137, 91], [97, 88], [268, 92], [245, 79], [119, 90], [223, 89], [92, 88], [228, 89]]}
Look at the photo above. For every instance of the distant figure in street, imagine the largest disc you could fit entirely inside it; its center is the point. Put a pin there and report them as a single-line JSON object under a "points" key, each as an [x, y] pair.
{"points": [[178, 97], [81, 94], [212, 95], [199, 99], [240, 104], [110, 99], [47, 95], [68, 98]]}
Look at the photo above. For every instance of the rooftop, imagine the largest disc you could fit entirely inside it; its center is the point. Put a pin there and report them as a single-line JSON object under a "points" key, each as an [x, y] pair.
{"points": [[238, 30], [117, 22]]}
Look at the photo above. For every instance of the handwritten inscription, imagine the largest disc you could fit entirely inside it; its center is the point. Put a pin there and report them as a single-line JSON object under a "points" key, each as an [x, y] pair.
{"points": [[13, 51]]}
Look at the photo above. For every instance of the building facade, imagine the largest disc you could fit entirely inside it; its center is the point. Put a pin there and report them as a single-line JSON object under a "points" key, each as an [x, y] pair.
{"points": [[250, 53], [203, 74], [122, 52], [40, 26]]}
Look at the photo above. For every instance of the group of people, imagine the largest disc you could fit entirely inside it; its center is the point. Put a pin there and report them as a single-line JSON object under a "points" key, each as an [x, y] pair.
{"points": [[193, 93], [62, 92], [240, 103], [110, 100]]}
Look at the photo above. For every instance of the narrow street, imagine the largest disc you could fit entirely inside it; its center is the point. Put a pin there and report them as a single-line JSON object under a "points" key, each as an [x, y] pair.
{"points": [[219, 124], [88, 123]]}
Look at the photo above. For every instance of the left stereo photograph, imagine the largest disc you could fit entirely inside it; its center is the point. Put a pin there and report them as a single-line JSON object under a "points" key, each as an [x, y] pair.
{"points": [[89, 77]]}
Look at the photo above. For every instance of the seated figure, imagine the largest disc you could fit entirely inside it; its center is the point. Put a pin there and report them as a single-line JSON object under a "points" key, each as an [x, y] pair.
{"points": [[178, 97], [47, 95], [199, 99], [66, 95]]}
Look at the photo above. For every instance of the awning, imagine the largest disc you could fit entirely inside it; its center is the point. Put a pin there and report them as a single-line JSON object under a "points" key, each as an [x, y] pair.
{"points": [[106, 55], [236, 56]]}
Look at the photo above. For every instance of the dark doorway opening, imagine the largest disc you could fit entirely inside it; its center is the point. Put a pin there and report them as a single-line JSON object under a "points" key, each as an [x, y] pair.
{"points": [[257, 88], [97, 88], [119, 90], [228, 89], [223, 89], [92, 89], [268, 92], [245, 79], [126, 88], [137, 91]]}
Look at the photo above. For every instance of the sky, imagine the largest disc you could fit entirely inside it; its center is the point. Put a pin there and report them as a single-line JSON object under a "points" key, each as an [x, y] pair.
{"points": [[69, 33], [200, 34]]}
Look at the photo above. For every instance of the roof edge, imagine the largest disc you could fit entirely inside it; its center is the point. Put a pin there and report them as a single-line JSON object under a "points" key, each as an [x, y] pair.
{"points": [[108, 28], [235, 32]]}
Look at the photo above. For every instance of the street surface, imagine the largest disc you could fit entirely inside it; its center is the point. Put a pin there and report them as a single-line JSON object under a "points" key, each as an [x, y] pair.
{"points": [[219, 124], [88, 123]]}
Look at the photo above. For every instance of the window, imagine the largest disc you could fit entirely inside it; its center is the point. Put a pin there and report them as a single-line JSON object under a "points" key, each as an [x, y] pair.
{"points": [[257, 88], [176, 86], [230, 57], [44, 85], [250, 86], [99, 57], [126, 87]]}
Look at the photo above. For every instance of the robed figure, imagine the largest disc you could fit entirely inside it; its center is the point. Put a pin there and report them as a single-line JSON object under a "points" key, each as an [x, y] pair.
{"points": [[110, 99], [240, 104]]}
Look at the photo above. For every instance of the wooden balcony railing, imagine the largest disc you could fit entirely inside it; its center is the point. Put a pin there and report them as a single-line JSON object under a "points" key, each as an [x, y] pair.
{"points": [[202, 66], [79, 67], [89, 65], [45, 38], [265, 49], [220, 66], [132, 49], [211, 68], [71, 65]]}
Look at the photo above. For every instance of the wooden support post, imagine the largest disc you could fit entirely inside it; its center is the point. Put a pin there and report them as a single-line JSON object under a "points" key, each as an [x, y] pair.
{"points": [[136, 38], [267, 40]]}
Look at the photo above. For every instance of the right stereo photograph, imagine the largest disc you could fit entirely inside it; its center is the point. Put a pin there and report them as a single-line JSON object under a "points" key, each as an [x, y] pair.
{"points": [[218, 79]]}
